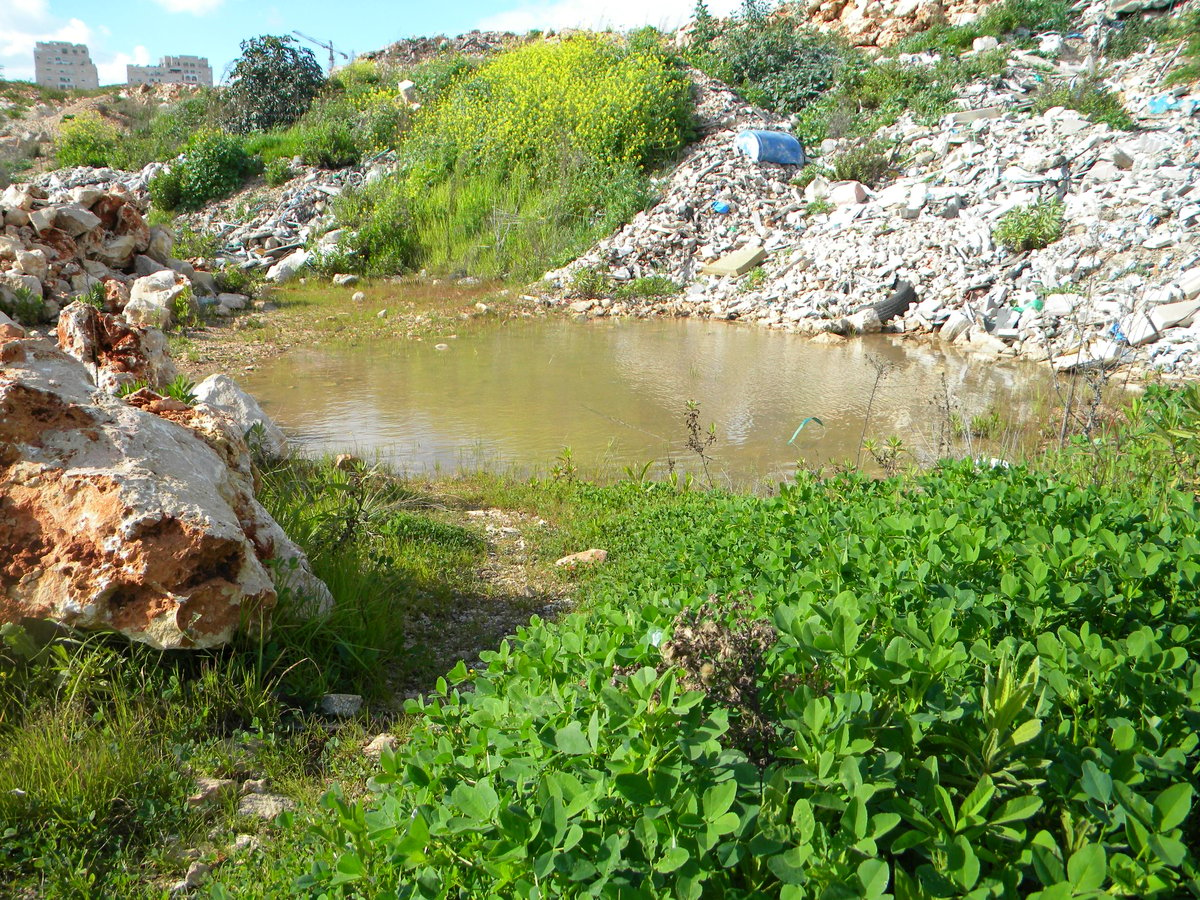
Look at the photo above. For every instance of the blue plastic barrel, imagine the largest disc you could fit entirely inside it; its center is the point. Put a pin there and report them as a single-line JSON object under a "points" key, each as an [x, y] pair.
{"points": [[770, 146]]}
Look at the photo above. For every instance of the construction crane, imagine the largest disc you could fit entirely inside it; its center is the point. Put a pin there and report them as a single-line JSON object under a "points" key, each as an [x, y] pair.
{"points": [[329, 47]]}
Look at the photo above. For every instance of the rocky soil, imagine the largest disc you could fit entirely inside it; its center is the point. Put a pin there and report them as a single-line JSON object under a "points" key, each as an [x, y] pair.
{"points": [[1121, 286]]}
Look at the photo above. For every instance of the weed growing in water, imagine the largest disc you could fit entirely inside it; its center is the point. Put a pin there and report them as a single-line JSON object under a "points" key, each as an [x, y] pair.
{"points": [[698, 440]]}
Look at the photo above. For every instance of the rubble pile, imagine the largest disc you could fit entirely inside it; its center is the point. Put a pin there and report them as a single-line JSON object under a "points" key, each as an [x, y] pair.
{"points": [[82, 232], [1122, 284], [270, 228], [882, 23], [414, 50]]}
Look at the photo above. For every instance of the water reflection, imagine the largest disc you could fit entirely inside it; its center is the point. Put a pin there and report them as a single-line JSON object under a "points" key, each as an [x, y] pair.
{"points": [[615, 392]]}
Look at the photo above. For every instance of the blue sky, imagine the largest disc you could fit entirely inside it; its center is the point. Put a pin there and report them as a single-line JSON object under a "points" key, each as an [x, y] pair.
{"points": [[140, 31]]}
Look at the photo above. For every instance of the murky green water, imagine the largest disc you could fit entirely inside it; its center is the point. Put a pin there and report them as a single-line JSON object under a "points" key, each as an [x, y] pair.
{"points": [[515, 396]]}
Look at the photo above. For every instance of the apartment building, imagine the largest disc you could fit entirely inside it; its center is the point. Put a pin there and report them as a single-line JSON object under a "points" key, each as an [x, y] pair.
{"points": [[57, 64], [172, 70]]}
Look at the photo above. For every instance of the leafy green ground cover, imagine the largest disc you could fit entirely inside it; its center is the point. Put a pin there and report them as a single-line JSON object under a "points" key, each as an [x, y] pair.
{"points": [[969, 682], [973, 682]]}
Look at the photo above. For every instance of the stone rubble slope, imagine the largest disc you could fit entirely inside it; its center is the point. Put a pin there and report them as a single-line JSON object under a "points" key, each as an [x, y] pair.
{"points": [[134, 515], [261, 227], [69, 231], [1131, 245]]}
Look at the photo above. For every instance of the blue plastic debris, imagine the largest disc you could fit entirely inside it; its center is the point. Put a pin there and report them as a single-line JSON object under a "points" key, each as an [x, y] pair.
{"points": [[1162, 103], [720, 206], [1116, 332], [770, 146]]}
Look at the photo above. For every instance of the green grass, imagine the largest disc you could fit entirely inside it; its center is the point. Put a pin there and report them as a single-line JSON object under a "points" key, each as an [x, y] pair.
{"points": [[1090, 98], [1187, 31], [871, 96]]}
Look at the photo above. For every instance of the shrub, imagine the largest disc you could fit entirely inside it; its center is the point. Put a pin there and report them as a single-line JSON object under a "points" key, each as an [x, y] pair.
{"points": [[277, 172], [1034, 16], [524, 162], [587, 93], [94, 296], [330, 142], [193, 243], [648, 286], [272, 84], [869, 162], [773, 61], [1131, 36], [169, 131], [87, 140], [213, 165], [166, 189], [589, 282], [379, 235], [1091, 98], [235, 280], [1030, 227], [22, 304]]}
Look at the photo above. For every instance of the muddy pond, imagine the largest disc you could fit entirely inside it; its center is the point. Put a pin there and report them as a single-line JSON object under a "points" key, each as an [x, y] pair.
{"points": [[609, 398]]}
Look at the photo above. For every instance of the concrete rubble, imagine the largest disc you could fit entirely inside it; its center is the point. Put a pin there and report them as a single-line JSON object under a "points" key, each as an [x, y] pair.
{"points": [[276, 230], [1120, 286]]}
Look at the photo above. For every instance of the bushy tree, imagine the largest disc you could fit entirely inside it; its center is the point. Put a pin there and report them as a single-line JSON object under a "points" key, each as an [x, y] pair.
{"points": [[272, 84]]}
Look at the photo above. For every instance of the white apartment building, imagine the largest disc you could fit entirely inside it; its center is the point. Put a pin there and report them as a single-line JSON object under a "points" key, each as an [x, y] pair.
{"points": [[57, 64], [172, 70]]}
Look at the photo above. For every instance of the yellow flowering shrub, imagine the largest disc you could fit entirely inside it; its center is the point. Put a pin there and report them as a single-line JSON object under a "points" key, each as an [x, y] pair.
{"points": [[588, 94]]}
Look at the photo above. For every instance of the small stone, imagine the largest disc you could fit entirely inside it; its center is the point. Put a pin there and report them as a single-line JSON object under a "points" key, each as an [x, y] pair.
{"points": [[847, 192], [342, 706], [196, 874], [382, 314], [264, 806], [345, 280], [593, 555], [212, 790], [244, 843], [379, 743], [254, 786]]}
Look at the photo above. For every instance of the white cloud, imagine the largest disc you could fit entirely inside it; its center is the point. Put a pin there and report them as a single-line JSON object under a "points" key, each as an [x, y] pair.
{"points": [[195, 7], [112, 68], [618, 14], [25, 22]]}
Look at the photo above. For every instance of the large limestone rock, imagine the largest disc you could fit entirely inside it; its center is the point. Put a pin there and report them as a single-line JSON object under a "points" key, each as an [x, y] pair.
{"points": [[152, 297], [141, 520], [75, 220], [222, 393], [288, 267]]}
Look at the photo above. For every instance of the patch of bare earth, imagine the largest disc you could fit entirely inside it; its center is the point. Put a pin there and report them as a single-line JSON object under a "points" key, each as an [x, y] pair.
{"points": [[514, 586]]}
